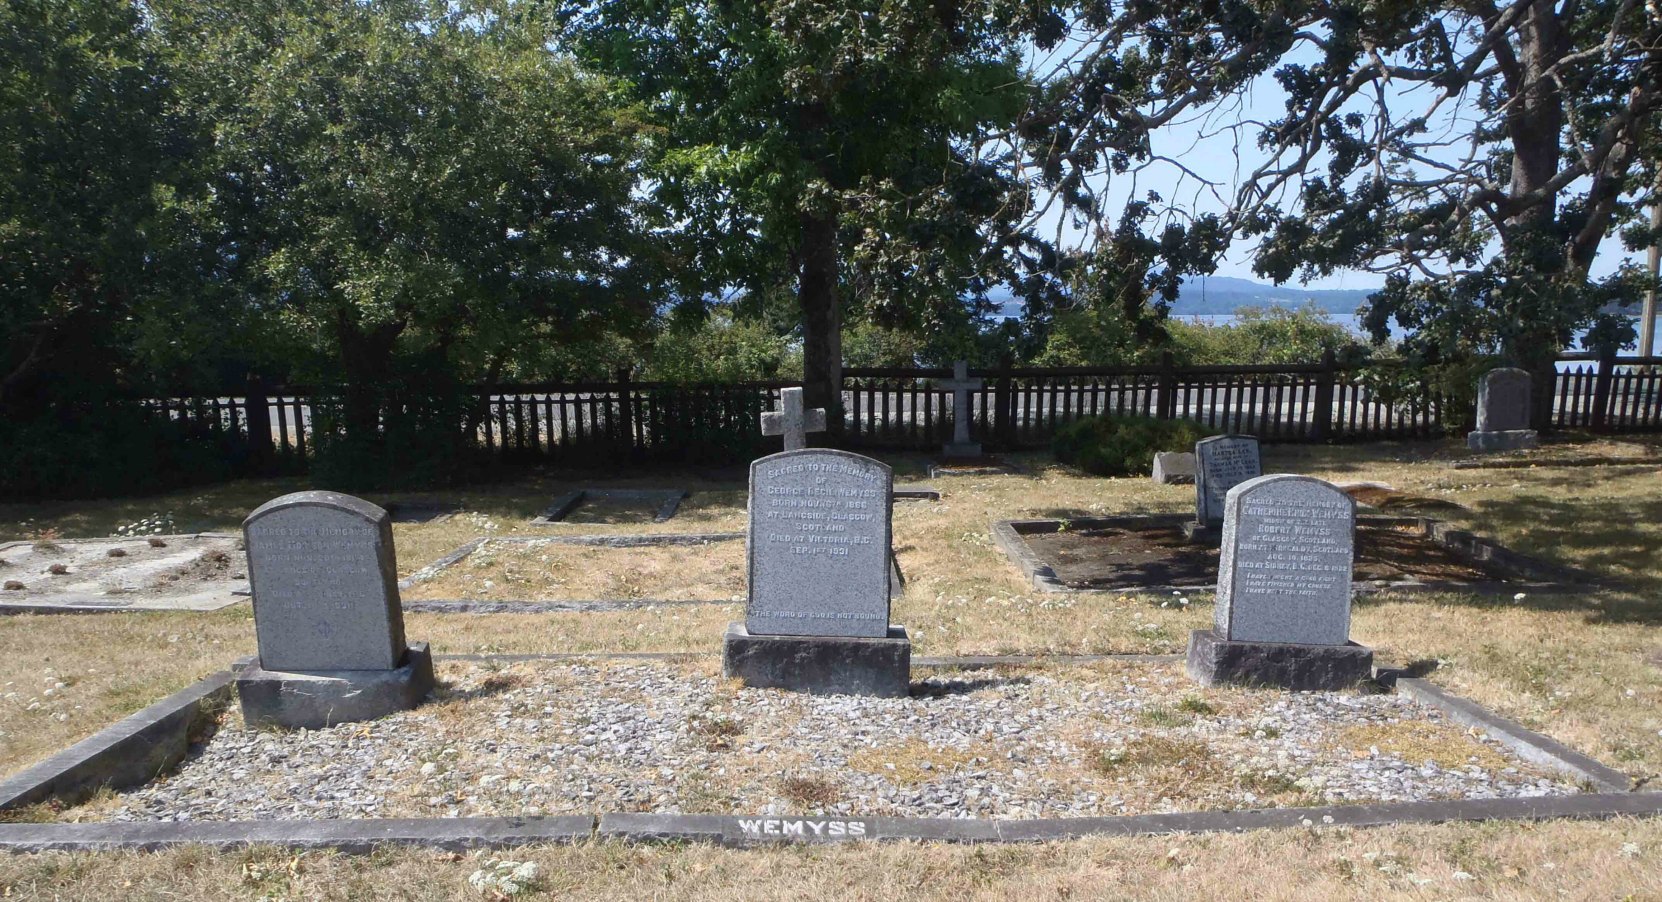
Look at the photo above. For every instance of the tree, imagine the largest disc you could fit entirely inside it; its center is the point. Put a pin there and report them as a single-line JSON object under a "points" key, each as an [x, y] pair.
{"points": [[1479, 153], [85, 152], [839, 147], [405, 180]]}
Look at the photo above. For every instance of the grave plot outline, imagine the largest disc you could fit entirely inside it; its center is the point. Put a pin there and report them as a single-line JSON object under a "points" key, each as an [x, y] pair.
{"points": [[137, 749], [668, 502]]}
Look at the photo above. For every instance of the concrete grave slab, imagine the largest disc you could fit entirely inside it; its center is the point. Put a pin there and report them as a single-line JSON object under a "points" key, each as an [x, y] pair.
{"points": [[193, 572]]}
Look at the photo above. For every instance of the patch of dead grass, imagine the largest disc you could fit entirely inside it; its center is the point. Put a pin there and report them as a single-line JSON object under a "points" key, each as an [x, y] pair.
{"points": [[1416, 741], [913, 762]]}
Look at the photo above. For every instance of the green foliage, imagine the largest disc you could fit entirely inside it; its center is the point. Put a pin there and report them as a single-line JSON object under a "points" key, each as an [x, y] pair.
{"points": [[1272, 335], [91, 450], [1122, 445], [867, 344], [721, 349], [85, 153]]}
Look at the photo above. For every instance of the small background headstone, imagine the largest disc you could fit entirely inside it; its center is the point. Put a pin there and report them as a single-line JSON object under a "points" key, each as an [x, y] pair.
{"points": [[963, 411], [792, 420], [1221, 463], [1174, 467], [1503, 400]]}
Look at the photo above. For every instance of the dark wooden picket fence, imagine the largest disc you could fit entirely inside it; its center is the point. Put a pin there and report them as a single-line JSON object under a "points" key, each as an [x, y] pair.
{"points": [[902, 409]]}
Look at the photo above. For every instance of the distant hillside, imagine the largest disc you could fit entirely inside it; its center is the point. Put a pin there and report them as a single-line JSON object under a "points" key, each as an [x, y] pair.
{"points": [[1212, 295], [1224, 294]]}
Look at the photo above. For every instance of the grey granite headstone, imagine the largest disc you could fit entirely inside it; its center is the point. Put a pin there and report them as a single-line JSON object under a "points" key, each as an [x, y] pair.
{"points": [[1174, 467], [963, 411], [1285, 569], [819, 545], [1221, 463], [1503, 400], [325, 584]]}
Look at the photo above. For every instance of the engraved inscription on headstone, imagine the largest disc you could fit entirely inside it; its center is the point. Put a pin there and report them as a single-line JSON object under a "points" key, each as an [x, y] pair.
{"points": [[819, 545], [1285, 570], [1503, 400], [325, 584], [1221, 463]]}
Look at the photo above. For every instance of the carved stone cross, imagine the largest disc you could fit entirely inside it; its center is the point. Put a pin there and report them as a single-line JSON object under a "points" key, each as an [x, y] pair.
{"points": [[793, 422], [962, 411]]}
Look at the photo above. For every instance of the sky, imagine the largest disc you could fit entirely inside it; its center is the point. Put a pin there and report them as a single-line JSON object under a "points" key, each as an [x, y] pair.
{"points": [[1204, 147]]}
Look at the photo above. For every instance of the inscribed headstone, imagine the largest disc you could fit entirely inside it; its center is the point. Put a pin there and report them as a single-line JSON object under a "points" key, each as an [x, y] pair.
{"points": [[1221, 463], [1285, 569], [819, 545], [325, 584], [1503, 400]]}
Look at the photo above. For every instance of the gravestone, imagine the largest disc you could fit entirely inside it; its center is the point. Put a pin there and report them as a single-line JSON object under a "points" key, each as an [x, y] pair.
{"points": [[818, 559], [1503, 412], [1221, 463], [792, 421], [963, 411], [1284, 589], [327, 615], [1174, 467]]}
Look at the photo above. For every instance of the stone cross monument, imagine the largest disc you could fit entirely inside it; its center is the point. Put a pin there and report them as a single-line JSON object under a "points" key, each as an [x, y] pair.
{"points": [[792, 421], [962, 411]]}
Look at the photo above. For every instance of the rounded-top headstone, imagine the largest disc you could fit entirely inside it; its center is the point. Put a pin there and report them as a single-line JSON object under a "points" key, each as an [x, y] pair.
{"points": [[325, 584], [1285, 569], [1221, 463], [819, 544], [1503, 400]]}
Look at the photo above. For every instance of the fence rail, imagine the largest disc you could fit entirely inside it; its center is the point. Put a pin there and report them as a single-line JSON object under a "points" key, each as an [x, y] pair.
{"points": [[904, 409]]}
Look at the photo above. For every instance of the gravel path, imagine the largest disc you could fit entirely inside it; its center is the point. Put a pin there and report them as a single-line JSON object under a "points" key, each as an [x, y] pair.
{"points": [[1119, 738]]}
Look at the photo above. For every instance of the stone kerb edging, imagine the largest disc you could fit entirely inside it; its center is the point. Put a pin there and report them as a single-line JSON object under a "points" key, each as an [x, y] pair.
{"points": [[143, 745], [460, 834], [668, 501], [603, 541], [130, 752], [1535, 574], [1528, 744]]}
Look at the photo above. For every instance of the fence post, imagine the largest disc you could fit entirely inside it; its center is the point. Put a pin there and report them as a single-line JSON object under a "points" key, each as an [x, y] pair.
{"points": [[626, 408], [256, 409], [1004, 410], [1165, 398], [1322, 429], [1600, 421]]}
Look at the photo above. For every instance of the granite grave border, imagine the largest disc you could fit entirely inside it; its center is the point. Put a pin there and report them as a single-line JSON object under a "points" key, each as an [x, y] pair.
{"points": [[668, 501], [1535, 574], [143, 745]]}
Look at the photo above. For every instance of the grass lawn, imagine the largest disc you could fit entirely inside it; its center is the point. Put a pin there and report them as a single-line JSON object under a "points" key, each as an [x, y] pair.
{"points": [[1585, 668]]}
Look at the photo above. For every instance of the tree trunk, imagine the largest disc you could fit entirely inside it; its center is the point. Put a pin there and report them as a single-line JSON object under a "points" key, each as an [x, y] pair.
{"points": [[366, 361], [822, 335]]}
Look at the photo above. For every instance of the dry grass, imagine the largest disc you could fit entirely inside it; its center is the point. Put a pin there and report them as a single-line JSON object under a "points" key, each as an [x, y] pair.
{"points": [[913, 762], [1615, 860], [521, 571], [1415, 741]]}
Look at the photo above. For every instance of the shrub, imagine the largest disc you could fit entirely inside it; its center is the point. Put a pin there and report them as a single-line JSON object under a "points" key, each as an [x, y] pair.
{"points": [[1123, 445], [107, 449]]}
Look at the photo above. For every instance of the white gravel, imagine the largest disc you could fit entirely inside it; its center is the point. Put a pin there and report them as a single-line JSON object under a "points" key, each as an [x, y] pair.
{"points": [[544, 738]]}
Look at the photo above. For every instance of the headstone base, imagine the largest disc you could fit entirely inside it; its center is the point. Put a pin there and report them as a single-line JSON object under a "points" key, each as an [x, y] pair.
{"points": [[961, 450], [820, 665], [1214, 660], [1197, 533], [1507, 440], [318, 699]]}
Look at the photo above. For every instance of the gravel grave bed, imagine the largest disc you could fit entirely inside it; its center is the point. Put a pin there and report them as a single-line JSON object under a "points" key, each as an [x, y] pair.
{"points": [[555, 738], [197, 572]]}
